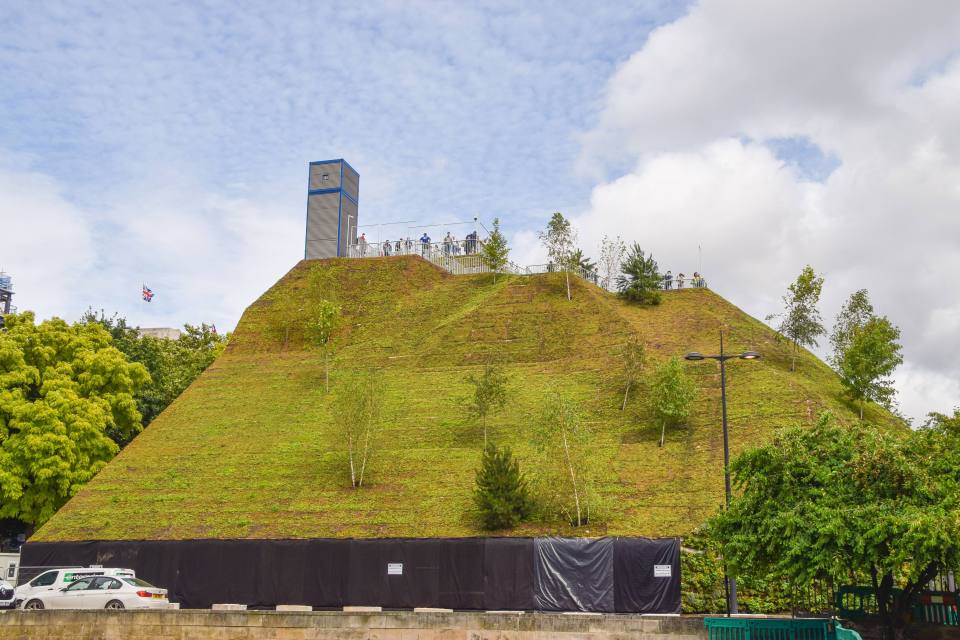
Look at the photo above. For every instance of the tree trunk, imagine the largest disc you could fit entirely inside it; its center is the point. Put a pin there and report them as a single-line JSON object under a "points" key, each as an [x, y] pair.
{"points": [[353, 477], [861, 409], [567, 274], [625, 392], [899, 613], [663, 431], [883, 590], [326, 369], [573, 477], [366, 449]]}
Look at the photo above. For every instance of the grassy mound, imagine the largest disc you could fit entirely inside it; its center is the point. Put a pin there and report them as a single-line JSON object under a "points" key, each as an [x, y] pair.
{"points": [[250, 450]]}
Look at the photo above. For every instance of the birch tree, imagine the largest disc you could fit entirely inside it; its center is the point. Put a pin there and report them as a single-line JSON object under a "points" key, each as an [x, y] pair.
{"points": [[869, 360], [855, 313], [800, 320], [672, 393], [358, 415], [558, 239], [489, 395], [321, 327], [633, 359], [611, 257], [566, 446]]}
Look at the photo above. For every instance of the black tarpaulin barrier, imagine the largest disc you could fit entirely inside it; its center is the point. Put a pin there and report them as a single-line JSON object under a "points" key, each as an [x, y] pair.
{"points": [[508, 574], [646, 575], [460, 573], [399, 574], [324, 571], [573, 574], [625, 574]]}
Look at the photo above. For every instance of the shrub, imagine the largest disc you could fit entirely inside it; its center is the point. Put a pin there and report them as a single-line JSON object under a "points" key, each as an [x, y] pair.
{"points": [[501, 493]]}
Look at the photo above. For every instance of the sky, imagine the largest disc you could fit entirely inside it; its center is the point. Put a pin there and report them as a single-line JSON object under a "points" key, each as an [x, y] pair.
{"points": [[167, 144]]}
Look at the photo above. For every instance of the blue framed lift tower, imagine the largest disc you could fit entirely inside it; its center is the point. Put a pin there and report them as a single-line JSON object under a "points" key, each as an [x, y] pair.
{"points": [[333, 195]]}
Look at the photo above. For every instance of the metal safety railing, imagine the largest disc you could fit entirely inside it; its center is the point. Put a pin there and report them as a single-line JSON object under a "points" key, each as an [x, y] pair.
{"points": [[670, 283], [772, 629], [459, 257], [409, 247], [463, 257], [586, 274]]}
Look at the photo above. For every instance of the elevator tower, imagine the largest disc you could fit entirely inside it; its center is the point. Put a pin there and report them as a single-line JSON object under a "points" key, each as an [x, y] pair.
{"points": [[333, 193]]}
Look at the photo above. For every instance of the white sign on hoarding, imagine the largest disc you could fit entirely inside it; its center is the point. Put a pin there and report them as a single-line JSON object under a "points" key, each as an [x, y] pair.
{"points": [[394, 568], [662, 571]]}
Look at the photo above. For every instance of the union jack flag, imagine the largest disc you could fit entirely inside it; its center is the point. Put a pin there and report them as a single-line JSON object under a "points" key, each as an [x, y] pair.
{"points": [[147, 293]]}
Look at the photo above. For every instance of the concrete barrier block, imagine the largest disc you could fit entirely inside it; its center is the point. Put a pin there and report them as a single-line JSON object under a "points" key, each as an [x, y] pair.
{"points": [[355, 609], [431, 610], [229, 607], [173, 605], [294, 607], [507, 612]]}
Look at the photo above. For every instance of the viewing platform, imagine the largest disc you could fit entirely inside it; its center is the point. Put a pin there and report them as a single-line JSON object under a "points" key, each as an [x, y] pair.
{"points": [[463, 257]]}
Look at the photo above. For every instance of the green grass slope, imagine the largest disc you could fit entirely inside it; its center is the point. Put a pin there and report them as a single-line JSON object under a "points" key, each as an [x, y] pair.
{"points": [[250, 449]]}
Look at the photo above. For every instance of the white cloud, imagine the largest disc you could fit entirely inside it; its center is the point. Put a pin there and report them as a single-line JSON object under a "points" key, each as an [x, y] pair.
{"points": [[206, 256], [47, 245], [874, 85]]}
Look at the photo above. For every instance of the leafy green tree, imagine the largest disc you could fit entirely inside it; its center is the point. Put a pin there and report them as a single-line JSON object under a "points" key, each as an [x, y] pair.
{"points": [[173, 364], [489, 394], [580, 261], [568, 459], [832, 500], [634, 356], [558, 239], [324, 322], [501, 493], [800, 321], [855, 313], [639, 279], [63, 388], [612, 252], [870, 358], [495, 251], [949, 425], [672, 392], [358, 411]]}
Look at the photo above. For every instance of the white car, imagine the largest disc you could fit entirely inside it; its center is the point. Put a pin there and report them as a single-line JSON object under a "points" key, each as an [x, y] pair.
{"points": [[56, 579], [101, 592], [7, 595]]}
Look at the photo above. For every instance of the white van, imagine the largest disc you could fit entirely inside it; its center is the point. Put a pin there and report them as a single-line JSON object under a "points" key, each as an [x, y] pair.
{"points": [[53, 579]]}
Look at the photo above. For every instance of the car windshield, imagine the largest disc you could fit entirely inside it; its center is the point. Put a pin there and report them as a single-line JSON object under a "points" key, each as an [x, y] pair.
{"points": [[137, 582]]}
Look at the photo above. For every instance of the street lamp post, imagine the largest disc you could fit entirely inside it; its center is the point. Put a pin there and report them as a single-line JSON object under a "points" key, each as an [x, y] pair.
{"points": [[722, 357]]}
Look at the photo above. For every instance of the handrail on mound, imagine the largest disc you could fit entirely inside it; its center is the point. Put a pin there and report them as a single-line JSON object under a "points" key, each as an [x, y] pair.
{"points": [[463, 257]]}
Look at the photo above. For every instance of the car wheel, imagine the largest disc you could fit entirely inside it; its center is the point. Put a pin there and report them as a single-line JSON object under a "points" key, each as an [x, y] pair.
{"points": [[114, 604], [33, 605]]}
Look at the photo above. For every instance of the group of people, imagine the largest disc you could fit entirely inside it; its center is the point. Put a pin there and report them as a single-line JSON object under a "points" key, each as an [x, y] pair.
{"points": [[695, 281], [451, 246]]}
